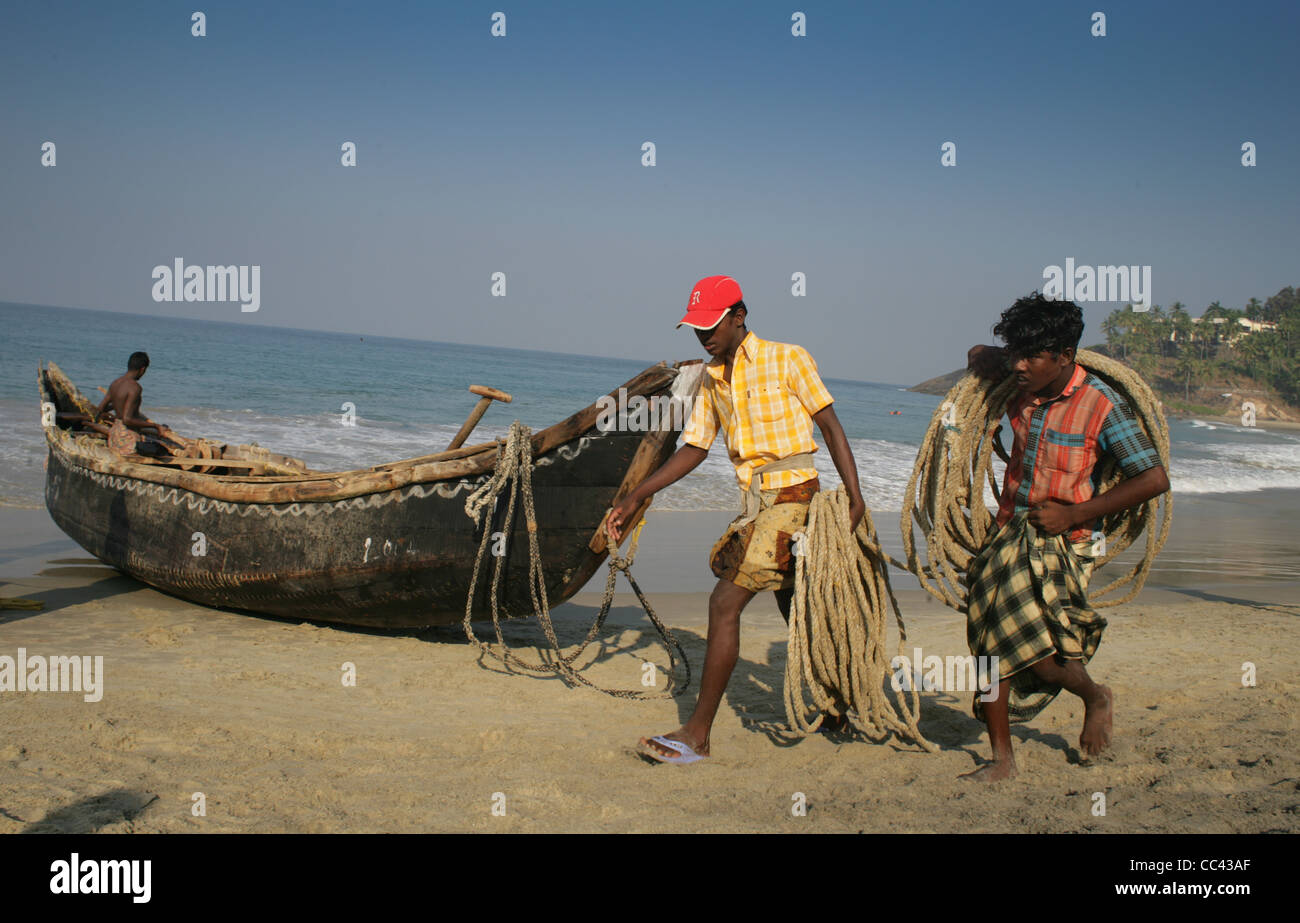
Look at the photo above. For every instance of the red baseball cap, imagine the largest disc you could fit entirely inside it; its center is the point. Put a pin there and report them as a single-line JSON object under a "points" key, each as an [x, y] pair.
{"points": [[710, 299]]}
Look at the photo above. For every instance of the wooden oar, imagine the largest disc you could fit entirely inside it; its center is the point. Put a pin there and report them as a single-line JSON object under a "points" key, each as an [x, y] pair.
{"points": [[486, 397]]}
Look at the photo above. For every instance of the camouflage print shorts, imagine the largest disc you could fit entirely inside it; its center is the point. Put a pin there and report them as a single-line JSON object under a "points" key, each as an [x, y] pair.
{"points": [[758, 555], [122, 440]]}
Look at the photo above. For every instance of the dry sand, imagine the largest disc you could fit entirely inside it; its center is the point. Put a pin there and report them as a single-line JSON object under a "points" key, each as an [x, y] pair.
{"points": [[252, 712]]}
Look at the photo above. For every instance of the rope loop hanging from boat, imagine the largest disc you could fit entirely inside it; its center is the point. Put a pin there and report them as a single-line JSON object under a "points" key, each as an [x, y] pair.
{"points": [[513, 475]]}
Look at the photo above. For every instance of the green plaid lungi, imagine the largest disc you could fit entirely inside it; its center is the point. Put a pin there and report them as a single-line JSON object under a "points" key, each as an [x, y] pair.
{"points": [[1027, 601]]}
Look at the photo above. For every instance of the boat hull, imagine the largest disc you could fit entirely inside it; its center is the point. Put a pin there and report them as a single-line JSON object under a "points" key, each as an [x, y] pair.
{"points": [[388, 559]]}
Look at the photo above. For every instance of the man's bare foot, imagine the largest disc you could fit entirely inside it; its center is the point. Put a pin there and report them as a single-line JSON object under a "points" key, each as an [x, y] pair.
{"points": [[1098, 721], [682, 735], [995, 771]]}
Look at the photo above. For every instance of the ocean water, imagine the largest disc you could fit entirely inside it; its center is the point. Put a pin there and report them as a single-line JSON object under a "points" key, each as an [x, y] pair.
{"points": [[285, 390]]}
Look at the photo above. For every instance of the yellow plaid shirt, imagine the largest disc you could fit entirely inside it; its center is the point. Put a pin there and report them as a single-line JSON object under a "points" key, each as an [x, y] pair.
{"points": [[765, 411]]}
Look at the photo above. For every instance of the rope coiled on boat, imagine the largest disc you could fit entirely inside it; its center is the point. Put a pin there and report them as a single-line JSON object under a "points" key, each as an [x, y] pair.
{"points": [[513, 474]]}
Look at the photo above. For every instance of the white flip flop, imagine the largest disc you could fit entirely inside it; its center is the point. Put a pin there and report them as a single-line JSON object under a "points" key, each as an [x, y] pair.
{"points": [[687, 754]]}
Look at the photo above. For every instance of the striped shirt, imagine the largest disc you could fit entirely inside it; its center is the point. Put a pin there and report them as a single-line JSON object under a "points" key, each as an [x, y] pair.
{"points": [[1058, 442], [765, 411]]}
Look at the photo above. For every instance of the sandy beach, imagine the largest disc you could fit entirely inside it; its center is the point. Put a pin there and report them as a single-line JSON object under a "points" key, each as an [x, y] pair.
{"points": [[252, 712]]}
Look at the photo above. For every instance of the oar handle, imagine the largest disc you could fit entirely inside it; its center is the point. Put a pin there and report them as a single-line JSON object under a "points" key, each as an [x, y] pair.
{"points": [[493, 393], [486, 396]]}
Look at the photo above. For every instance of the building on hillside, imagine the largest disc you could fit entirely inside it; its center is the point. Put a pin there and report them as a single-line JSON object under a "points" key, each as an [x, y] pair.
{"points": [[1243, 327]]}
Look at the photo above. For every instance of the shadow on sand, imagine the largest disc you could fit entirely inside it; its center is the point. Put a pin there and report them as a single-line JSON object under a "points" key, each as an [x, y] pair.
{"points": [[91, 814], [105, 583]]}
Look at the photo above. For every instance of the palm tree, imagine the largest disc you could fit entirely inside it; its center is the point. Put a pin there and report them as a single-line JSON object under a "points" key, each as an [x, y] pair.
{"points": [[1189, 370], [1247, 348], [1180, 327], [1211, 333], [1110, 327], [1141, 330], [1281, 304], [1271, 349]]}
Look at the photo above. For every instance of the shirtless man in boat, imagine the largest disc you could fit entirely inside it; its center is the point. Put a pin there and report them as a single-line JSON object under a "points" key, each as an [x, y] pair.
{"points": [[123, 400], [764, 397]]}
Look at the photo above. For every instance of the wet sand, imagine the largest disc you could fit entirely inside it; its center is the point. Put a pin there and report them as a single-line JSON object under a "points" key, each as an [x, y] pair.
{"points": [[252, 712]]}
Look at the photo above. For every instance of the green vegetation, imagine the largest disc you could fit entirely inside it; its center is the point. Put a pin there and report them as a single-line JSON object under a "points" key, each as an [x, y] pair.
{"points": [[1178, 355], [1184, 407]]}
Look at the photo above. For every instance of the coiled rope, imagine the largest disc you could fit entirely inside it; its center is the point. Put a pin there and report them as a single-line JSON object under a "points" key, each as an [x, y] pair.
{"points": [[945, 496], [514, 473], [838, 631], [837, 623]]}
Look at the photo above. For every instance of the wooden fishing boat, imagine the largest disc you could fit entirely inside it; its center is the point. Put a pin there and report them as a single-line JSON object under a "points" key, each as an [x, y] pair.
{"points": [[240, 527]]}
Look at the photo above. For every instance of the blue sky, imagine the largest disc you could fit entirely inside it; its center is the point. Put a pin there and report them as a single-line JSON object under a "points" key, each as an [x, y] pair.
{"points": [[775, 155]]}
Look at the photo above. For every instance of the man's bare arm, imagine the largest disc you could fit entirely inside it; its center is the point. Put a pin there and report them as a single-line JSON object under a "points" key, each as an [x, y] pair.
{"points": [[1128, 493], [682, 462], [1055, 517], [838, 445]]}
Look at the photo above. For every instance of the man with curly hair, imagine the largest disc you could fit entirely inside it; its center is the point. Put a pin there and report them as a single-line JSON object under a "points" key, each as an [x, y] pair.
{"points": [[1027, 587]]}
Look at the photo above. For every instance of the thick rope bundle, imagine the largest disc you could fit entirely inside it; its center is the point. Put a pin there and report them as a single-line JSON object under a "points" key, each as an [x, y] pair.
{"points": [[837, 644], [945, 496], [514, 473]]}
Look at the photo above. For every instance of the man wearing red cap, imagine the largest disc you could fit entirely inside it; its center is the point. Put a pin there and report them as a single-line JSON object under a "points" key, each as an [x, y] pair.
{"points": [[764, 397]]}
